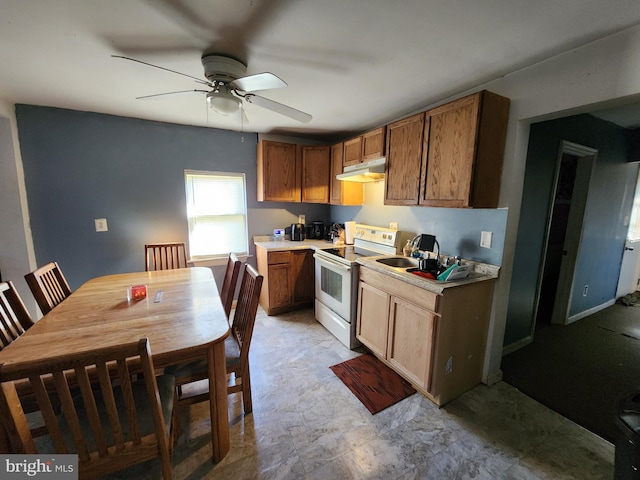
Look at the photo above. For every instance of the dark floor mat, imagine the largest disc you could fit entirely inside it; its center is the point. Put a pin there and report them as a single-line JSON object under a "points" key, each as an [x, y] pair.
{"points": [[372, 382]]}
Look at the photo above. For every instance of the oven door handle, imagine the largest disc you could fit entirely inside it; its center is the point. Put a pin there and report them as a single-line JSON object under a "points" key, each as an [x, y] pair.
{"points": [[324, 259]]}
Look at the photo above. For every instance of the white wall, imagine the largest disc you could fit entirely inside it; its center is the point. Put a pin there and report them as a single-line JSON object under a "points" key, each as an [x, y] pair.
{"points": [[16, 247]]}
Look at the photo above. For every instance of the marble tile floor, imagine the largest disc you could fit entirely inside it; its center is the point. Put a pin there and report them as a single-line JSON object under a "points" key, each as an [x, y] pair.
{"points": [[307, 425]]}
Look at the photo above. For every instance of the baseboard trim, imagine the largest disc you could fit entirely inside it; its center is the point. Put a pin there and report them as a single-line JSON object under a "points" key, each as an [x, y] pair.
{"points": [[517, 345], [591, 311]]}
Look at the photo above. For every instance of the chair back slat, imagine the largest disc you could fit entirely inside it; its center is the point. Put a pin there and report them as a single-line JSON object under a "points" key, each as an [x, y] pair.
{"points": [[165, 256], [82, 377], [49, 286], [245, 314], [229, 283], [100, 417], [14, 317]]}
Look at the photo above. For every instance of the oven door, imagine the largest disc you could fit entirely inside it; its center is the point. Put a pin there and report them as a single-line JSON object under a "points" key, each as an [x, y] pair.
{"points": [[333, 285]]}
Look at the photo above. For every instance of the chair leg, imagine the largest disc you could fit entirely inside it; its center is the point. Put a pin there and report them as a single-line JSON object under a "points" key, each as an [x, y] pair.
{"points": [[246, 391]]}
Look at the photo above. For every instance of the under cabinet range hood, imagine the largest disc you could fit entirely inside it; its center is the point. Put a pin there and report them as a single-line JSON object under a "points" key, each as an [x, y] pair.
{"points": [[371, 171]]}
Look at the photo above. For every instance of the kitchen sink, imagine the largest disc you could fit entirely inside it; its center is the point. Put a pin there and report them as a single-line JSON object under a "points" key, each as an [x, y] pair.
{"points": [[401, 262]]}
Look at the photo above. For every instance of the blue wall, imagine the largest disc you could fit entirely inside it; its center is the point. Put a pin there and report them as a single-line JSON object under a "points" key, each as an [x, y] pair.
{"points": [[457, 230], [604, 232], [80, 166]]}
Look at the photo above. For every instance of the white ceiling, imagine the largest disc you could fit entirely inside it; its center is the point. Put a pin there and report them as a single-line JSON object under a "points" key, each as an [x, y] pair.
{"points": [[352, 64]]}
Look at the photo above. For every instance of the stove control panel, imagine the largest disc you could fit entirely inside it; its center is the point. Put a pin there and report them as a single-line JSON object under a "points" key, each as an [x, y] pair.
{"points": [[377, 235]]}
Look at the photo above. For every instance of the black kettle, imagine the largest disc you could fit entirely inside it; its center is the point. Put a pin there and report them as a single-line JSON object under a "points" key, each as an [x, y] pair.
{"points": [[297, 232]]}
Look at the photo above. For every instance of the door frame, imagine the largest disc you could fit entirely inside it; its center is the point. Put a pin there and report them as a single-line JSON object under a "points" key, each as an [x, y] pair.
{"points": [[564, 294]]}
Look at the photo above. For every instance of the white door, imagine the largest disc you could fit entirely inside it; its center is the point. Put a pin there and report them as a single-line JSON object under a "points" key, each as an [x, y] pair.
{"points": [[630, 269]]}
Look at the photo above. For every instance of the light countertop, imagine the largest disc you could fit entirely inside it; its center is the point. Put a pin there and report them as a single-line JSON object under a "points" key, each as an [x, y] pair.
{"points": [[480, 272], [267, 242]]}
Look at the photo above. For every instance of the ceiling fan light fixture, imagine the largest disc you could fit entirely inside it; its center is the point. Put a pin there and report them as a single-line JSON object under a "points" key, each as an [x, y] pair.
{"points": [[223, 102]]}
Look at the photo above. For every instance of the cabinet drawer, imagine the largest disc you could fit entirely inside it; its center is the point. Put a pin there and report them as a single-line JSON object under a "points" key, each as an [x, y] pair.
{"points": [[278, 257], [416, 295]]}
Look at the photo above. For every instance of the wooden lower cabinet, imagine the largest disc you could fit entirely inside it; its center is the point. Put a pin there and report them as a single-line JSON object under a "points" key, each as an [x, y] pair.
{"points": [[411, 335], [435, 341], [373, 305], [288, 279]]}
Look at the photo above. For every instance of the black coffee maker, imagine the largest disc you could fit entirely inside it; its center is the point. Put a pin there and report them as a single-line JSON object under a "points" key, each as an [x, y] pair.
{"points": [[318, 230]]}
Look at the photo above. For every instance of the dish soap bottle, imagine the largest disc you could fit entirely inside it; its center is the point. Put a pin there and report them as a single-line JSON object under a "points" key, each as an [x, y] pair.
{"points": [[408, 249]]}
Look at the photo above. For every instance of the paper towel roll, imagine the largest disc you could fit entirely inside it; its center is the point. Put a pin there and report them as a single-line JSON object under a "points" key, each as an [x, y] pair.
{"points": [[349, 232]]}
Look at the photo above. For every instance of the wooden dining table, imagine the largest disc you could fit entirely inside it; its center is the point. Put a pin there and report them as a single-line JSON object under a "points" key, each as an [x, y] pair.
{"points": [[182, 316]]}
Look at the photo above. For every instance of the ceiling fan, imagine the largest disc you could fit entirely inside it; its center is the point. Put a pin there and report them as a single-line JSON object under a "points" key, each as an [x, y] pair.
{"points": [[229, 86]]}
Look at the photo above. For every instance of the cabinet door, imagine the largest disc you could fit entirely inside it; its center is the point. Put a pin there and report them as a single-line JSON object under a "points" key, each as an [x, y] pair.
{"points": [[373, 318], [302, 276], [404, 156], [316, 166], [278, 172], [373, 144], [448, 166], [279, 285], [411, 338], [336, 169], [352, 151], [343, 193]]}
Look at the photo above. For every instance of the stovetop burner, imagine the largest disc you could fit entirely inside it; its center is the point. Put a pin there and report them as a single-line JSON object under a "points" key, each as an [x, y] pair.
{"points": [[369, 241], [350, 252]]}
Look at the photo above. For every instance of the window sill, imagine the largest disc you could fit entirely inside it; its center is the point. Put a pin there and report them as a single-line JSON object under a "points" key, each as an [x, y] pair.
{"points": [[213, 262]]}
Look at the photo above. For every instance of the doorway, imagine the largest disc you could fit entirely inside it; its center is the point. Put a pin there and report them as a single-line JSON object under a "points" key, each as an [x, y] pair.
{"points": [[564, 232]]}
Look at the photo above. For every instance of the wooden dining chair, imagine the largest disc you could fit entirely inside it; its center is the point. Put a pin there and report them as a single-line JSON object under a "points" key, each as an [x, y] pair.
{"points": [[14, 317], [165, 256], [229, 284], [48, 285], [110, 424], [236, 348]]}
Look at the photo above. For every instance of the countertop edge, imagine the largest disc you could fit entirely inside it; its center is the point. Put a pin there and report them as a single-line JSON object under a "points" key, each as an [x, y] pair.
{"points": [[481, 273]]}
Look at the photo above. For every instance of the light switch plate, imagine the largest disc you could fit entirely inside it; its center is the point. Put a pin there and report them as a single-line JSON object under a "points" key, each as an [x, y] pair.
{"points": [[485, 239], [101, 224]]}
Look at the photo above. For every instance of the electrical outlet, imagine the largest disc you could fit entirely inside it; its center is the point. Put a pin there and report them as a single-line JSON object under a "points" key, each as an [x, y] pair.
{"points": [[302, 219], [393, 226], [485, 239], [585, 291], [101, 224]]}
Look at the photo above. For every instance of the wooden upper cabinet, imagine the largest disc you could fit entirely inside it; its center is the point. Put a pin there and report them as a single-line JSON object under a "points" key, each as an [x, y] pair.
{"points": [[342, 193], [373, 144], [352, 151], [368, 146], [279, 172], [464, 147], [404, 157], [316, 168]]}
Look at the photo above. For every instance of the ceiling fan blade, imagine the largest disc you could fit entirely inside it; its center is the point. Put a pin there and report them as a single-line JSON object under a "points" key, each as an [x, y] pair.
{"points": [[278, 108], [259, 81], [170, 93], [199, 80]]}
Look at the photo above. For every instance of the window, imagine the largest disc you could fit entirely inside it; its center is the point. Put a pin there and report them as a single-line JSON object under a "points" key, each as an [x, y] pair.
{"points": [[217, 213]]}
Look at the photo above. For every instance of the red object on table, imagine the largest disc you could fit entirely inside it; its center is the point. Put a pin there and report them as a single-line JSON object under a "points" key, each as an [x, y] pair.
{"points": [[138, 292]]}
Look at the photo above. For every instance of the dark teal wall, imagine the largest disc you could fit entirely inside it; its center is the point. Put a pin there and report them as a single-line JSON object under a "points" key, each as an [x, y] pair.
{"points": [[604, 232], [80, 166]]}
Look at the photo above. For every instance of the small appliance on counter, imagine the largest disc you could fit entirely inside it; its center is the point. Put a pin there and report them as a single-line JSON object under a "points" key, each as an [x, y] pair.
{"points": [[318, 230], [297, 232], [308, 232]]}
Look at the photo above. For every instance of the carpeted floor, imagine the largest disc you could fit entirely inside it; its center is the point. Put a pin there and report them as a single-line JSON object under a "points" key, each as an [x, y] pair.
{"points": [[583, 369]]}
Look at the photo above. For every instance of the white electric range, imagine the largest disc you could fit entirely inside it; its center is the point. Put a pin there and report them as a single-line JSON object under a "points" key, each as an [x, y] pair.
{"points": [[336, 279]]}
